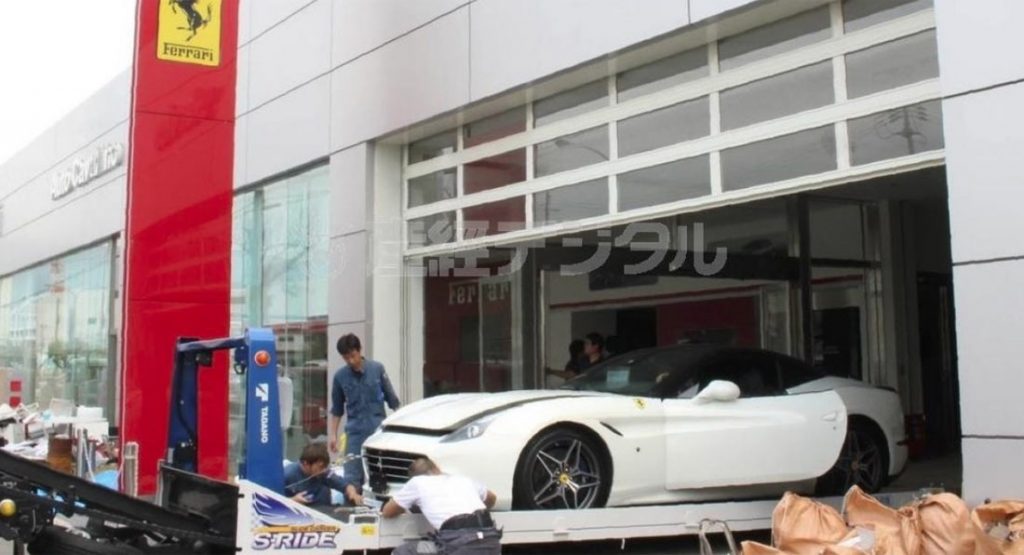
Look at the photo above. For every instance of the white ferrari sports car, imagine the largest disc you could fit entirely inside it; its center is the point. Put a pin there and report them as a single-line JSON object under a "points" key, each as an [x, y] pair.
{"points": [[664, 425]]}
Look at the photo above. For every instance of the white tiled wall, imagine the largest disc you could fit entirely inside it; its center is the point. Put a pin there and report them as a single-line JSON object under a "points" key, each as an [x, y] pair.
{"points": [[979, 43], [291, 53], [289, 131], [242, 81], [351, 173], [986, 178], [361, 26], [34, 201], [347, 293], [36, 227], [415, 77], [96, 214], [244, 21], [98, 114], [264, 14], [989, 303], [517, 41], [37, 157], [992, 470], [241, 151]]}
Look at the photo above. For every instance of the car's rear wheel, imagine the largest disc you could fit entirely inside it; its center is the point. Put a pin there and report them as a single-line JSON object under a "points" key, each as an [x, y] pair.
{"points": [[562, 468], [863, 462]]}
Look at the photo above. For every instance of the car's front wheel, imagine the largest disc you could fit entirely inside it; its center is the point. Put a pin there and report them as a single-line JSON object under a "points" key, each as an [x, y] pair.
{"points": [[562, 468], [863, 462]]}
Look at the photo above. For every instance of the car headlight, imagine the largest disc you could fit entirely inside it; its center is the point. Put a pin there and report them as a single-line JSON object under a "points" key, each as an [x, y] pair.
{"points": [[472, 430]]}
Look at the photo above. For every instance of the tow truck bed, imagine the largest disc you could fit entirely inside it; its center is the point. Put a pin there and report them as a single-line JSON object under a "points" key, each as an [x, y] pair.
{"points": [[367, 531], [40, 493]]}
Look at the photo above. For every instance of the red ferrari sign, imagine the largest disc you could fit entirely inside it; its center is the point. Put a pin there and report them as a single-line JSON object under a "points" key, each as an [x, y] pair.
{"points": [[178, 226]]}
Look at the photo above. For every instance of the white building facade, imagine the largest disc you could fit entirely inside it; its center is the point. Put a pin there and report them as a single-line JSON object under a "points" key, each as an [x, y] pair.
{"points": [[844, 152]]}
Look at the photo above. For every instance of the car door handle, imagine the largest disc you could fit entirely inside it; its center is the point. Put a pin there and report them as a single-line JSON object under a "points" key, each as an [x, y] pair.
{"points": [[831, 417]]}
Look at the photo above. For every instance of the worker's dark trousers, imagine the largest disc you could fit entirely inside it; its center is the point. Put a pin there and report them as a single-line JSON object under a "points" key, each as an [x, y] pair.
{"points": [[354, 446], [468, 541]]}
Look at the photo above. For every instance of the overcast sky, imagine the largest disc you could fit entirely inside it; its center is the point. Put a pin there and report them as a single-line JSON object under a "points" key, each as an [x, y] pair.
{"points": [[53, 55]]}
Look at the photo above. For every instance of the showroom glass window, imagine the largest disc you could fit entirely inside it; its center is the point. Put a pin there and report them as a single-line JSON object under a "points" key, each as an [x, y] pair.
{"points": [[681, 128], [55, 329], [279, 280]]}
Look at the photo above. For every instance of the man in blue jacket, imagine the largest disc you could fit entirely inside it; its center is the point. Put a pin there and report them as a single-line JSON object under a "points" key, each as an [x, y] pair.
{"points": [[310, 480], [360, 389]]}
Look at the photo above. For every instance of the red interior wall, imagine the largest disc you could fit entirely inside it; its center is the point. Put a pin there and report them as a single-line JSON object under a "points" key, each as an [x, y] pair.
{"points": [[738, 314], [444, 315]]}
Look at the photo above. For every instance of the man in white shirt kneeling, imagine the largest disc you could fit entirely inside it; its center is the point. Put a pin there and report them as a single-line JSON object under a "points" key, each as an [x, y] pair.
{"points": [[455, 506]]}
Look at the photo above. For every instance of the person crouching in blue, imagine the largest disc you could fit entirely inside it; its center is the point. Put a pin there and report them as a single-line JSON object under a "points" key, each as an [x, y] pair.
{"points": [[310, 480]]}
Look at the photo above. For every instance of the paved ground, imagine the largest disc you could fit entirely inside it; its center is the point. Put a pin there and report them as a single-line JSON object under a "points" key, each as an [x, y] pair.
{"points": [[939, 472]]}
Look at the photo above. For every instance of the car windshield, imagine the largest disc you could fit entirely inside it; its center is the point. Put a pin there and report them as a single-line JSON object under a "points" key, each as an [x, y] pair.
{"points": [[644, 373]]}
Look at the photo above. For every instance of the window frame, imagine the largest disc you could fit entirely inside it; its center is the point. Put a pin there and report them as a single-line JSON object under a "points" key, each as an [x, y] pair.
{"points": [[833, 49]]}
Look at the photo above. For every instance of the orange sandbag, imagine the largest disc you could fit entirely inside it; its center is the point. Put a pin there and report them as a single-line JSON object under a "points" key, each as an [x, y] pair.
{"points": [[1002, 513], [802, 526], [896, 532], [946, 527], [755, 548]]}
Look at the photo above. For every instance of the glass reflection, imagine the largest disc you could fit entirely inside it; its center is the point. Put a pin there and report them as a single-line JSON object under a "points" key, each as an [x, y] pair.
{"points": [[571, 203], [787, 157], [432, 147], [668, 126], [571, 151], [496, 171], [663, 74], [777, 96], [495, 127], [901, 62], [775, 38], [430, 188], [280, 254], [859, 14], [494, 217], [570, 103], [54, 329], [894, 133], [670, 182]]}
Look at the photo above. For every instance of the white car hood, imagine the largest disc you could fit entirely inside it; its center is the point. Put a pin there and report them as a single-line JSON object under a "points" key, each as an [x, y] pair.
{"points": [[450, 412]]}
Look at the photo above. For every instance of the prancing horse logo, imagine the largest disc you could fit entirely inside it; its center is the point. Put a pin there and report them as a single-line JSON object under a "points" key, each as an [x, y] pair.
{"points": [[195, 19]]}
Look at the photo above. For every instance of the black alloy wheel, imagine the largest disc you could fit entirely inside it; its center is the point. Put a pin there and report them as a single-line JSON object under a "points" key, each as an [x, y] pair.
{"points": [[562, 469], [863, 462]]}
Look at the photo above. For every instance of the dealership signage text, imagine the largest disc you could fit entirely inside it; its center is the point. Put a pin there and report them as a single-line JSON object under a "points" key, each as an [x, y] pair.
{"points": [[83, 171]]}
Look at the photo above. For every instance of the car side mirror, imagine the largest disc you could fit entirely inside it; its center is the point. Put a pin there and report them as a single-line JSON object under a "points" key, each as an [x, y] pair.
{"points": [[719, 391]]}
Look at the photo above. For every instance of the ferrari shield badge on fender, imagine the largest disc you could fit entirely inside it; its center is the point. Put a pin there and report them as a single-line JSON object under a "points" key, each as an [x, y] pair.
{"points": [[640, 403], [189, 31]]}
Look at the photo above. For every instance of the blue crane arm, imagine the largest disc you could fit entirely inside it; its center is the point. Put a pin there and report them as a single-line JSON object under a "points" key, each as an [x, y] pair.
{"points": [[255, 356]]}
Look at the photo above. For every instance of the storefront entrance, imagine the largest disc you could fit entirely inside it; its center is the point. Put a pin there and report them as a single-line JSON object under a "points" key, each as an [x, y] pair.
{"points": [[868, 299]]}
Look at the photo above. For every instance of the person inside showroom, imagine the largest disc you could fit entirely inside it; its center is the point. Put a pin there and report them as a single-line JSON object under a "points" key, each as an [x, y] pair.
{"points": [[573, 366], [360, 389], [582, 355], [456, 507]]}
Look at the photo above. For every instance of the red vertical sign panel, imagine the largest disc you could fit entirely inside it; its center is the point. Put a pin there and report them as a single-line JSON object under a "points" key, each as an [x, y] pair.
{"points": [[178, 227]]}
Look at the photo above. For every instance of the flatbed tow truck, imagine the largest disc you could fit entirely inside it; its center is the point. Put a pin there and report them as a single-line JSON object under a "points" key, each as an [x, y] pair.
{"points": [[53, 513]]}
